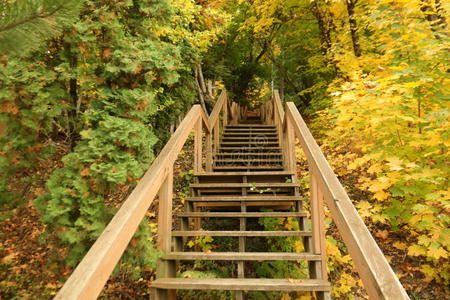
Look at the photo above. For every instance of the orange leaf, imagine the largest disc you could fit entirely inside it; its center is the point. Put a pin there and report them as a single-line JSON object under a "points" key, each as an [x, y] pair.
{"points": [[84, 172]]}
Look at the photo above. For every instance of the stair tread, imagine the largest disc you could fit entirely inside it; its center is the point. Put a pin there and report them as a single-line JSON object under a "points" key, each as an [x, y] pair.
{"points": [[235, 233], [246, 284], [248, 160], [250, 143], [258, 256], [244, 173], [249, 154], [247, 167], [238, 185], [251, 148], [245, 198], [241, 214], [241, 133], [249, 137], [250, 125]]}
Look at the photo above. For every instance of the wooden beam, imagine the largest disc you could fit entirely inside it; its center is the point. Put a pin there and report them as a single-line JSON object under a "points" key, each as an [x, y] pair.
{"points": [[378, 278], [214, 116]]}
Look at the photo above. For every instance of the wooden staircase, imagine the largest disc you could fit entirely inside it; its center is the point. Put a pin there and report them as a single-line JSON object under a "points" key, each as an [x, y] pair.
{"points": [[247, 179], [245, 170]]}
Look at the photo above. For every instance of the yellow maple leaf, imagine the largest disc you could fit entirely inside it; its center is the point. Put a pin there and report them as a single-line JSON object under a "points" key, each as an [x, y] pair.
{"points": [[381, 195], [437, 253], [416, 250], [298, 246], [400, 245]]}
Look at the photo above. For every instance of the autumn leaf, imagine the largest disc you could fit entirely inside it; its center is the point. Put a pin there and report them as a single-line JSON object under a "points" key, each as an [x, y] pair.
{"points": [[416, 250], [437, 252], [85, 172]]}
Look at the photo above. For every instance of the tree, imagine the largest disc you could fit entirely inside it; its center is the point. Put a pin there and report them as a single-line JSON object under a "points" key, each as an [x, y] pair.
{"points": [[25, 24]]}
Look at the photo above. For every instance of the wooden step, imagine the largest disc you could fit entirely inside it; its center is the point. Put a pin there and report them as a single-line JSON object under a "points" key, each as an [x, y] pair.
{"points": [[243, 198], [271, 134], [260, 144], [247, 138], [244, 173], [249, 161], [247, 154], [237, 233], [241, 214], [250, 131], [241, 284], [243, 185], [249, 126], [247, 256], [244, 149], [247, 167]]}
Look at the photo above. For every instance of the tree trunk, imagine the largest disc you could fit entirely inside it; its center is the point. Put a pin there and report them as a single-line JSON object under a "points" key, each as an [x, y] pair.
{"points": [[435, 15], [353, 26], [324, 33]]}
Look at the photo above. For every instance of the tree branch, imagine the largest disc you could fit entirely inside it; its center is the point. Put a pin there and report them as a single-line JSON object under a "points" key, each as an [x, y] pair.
{"points": [[38, 15]]}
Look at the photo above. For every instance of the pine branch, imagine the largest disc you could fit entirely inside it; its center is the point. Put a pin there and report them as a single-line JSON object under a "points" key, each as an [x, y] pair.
{"points": [[39, 15], [26, 24]]}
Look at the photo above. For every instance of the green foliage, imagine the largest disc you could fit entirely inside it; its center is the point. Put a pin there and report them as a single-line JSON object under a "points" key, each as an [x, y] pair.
{"points": [[106, 91], [25, 24]]}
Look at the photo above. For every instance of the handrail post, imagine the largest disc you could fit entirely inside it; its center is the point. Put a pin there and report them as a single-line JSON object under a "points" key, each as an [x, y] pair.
{"points": [[289, 146], [209, 151], [317, 220], [198, 146], [165, 268], [216, 134], [225, 112]]}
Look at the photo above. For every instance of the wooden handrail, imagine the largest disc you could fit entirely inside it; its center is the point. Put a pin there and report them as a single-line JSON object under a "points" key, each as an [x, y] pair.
{"points": [[378, 278], [278, 105], [88, 279], [221, 101]]}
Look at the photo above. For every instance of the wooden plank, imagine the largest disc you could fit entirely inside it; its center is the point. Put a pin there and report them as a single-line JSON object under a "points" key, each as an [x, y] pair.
{"points": [[251, 133], [260, 143], [216, 135], [247, 161], [198, 146], [378, 278], [217, 108], [248, 154], [209, 152], [257, 126], [243, 185], [226, 138], [88, 279], [248, 168], [276, 205], [258, 173], [165, 213], [237, 233], [245, 256], [242, 214], [246, 284], [244, 198]]}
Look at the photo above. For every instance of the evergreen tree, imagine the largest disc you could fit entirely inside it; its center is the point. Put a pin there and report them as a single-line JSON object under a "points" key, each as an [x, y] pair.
{"points": [[25, 24]]}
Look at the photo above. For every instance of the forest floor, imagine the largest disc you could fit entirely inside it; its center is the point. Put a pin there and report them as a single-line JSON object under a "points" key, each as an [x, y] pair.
{"points": [[28, 270]]}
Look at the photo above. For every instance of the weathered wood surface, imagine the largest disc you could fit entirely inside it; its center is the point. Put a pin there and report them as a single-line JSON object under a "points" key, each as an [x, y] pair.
{"points": [[247, 284], [247, 256], [242, 214], [378, 278], [236, 233]]}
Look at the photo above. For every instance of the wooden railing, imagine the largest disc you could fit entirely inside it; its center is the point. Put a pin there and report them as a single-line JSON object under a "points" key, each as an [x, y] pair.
{"points": [[90, 276], [378, 278]]}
